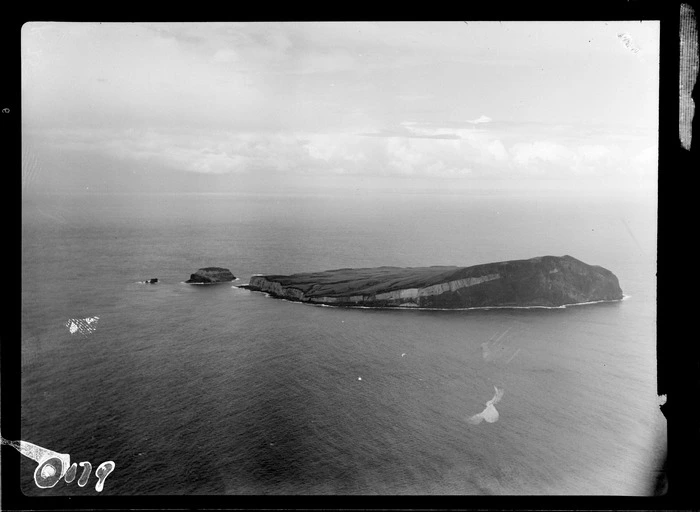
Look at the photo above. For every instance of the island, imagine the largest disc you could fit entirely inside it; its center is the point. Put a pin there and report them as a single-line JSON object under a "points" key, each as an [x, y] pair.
{"points": [[211, 275], [545, 281]]}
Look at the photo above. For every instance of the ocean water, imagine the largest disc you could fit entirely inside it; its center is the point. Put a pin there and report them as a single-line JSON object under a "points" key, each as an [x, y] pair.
{"points": [[219, 390]]}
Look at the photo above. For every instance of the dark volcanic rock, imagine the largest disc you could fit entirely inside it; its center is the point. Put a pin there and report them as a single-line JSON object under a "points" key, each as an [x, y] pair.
{"points": [[210, 275], [548, 281]]}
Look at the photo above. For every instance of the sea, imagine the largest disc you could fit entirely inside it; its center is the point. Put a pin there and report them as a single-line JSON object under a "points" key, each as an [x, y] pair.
{"points": [[218, 390]]}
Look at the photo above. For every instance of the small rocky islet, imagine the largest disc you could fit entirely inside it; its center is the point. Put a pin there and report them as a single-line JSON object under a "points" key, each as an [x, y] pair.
{"points": [[211, 275], [545, 281]]}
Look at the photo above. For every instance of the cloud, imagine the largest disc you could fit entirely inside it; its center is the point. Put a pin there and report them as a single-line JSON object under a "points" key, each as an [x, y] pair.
{"points": [[525, 154], [412, 148], [409, 150], [648, 156], [212, 152], [409, 132], [219, 152], [226, 55], [481, 119], [644, 164], [572, 159], [415, 97], [444, 156], [430, 130], [498, 150], [593, 152]]}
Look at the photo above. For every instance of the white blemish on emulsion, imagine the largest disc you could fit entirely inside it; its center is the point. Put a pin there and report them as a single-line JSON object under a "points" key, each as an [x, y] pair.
{"points": [[627, 42], [87, 469], [102, 472], [489, 348], [511, 357], [52, 466], [490, 414], [82, 325]]}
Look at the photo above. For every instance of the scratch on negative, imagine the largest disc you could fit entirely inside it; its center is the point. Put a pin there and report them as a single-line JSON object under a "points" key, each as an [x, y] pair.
{"points": [[511, 357]]}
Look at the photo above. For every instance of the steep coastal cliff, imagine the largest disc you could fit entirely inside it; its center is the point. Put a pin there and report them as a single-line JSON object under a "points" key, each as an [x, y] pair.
{"points": [[548, 281]]}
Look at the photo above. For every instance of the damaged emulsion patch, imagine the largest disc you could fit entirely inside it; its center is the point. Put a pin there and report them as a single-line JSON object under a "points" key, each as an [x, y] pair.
{"points": [[52, 466], [490, 414], [82, 325], [628, 42], [688, 69]]}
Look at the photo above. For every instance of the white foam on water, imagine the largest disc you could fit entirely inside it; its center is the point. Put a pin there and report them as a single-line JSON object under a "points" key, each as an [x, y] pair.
{"points": [[405, 308], [207, 284]]}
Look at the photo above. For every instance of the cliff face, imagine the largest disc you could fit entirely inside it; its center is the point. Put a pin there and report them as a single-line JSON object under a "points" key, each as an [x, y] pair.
{"points": [[210, 275], [543, 281]]}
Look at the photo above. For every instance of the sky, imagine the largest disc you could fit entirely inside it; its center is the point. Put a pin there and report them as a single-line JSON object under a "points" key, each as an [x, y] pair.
{"points": [[400, 106]]}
